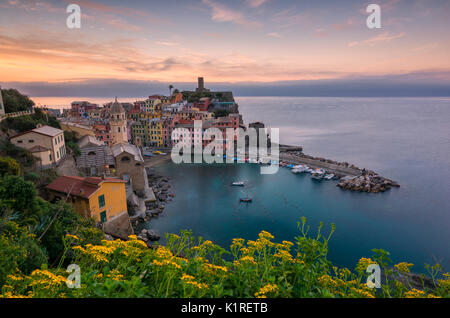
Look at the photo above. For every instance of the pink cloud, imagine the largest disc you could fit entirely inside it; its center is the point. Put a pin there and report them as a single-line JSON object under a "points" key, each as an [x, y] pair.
{"points": [[221, 13], [385, 37]]}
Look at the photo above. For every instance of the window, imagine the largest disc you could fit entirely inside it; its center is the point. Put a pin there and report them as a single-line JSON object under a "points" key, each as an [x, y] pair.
{"points": [[31, 141], [19, 141], [50, 157], [103, 216], [101, 201], [125, 159], [56, 141]]}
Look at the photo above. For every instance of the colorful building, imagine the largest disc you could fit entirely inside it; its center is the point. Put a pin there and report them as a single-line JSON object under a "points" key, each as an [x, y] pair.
{"points": [[91, 197]]}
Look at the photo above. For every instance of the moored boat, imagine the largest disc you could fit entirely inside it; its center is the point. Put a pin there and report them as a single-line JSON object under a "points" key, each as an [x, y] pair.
{"points": [[238, 183]]}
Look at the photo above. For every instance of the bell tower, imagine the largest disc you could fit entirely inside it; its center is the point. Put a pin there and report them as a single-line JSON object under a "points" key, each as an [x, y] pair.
{"points": [[118, 124]]}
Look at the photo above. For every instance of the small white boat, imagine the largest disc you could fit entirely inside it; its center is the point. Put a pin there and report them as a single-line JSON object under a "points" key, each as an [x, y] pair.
{"points": [[317, 176], [300, 168], [329, 176], [238, 184], [309, 170]]}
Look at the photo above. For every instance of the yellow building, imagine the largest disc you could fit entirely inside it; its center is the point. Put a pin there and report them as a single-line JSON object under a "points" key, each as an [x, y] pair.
{"points": [[92, 197], [79, 129], [155, 132]]}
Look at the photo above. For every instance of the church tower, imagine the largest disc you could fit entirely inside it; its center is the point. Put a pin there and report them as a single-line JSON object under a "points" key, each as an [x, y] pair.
{"points": [[118, 124], [2, 106]]}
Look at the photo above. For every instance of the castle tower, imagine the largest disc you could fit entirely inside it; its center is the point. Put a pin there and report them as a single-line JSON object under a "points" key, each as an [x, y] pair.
{"points": [[2, 106], [118, 124]]}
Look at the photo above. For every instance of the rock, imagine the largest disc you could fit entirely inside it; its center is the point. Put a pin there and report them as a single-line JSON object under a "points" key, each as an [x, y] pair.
{"points": [[119, 226], [109, 237], [144, 232], [153, 235]]}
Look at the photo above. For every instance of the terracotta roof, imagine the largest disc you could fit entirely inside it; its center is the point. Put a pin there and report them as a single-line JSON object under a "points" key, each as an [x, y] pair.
{"points": [[79, 186]]}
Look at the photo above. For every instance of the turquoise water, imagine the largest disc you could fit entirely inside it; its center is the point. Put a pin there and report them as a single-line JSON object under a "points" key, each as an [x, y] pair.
{"points": [[407, 140]]}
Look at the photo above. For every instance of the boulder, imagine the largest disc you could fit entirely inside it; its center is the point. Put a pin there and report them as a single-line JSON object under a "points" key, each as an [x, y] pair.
{"points": [[119, 226], [153, 235]]}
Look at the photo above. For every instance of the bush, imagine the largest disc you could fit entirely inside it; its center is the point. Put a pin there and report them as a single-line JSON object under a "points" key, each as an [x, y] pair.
{"points": [[20, 253], [9, 166], [187, 267]]}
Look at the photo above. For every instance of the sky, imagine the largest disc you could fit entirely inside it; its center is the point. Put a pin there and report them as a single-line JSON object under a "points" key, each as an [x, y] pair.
{"points": [[255, 47]]}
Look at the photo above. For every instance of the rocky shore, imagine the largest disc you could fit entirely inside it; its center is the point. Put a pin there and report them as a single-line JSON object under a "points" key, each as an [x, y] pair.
{"points": [[162, 190], [367, 182]]}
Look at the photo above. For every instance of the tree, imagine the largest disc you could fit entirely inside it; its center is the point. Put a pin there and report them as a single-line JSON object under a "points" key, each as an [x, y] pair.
{"points": [[170, 89], [18, 250], [22, 197], [14, 101], [9, 166]]}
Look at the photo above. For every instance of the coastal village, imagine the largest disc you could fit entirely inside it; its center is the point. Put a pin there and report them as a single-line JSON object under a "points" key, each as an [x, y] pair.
{"points": [[106, 175]]}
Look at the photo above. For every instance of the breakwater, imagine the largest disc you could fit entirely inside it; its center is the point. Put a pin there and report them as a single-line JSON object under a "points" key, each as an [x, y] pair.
{"points": [[351, 177]]}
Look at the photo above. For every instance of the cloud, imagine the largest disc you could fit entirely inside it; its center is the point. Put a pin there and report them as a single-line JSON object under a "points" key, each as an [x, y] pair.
{"points": [[287, 18], [425, 83], [385, 37], [274, 35], [255, 3], [222, 13], [321, 33], [166, 43]]}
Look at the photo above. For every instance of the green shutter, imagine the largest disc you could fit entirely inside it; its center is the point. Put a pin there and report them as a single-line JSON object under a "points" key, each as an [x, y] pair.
{"points": [[103, 216], [101, 201]]}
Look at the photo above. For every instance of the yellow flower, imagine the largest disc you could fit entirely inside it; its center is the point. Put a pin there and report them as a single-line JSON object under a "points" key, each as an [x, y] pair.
{"points": [[269, 288], [403, 267], [363, 264], [73, 237], [415, 293]]}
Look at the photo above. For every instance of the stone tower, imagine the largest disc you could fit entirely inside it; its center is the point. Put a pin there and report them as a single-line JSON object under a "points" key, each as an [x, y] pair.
{"points": [[2, 106], [118, 124]]}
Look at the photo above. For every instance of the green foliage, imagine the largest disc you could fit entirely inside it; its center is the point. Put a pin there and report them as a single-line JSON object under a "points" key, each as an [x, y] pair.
{"points": [[28, 122], [74, 148], [21, 155], [9, 166], [221, 113], [189, 267], [19, 251], [15, 102], [22, 195], [32, 176], [70, 136]]}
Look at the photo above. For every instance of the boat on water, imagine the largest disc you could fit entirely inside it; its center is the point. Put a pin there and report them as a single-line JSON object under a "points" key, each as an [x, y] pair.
{"points": [[238, 183], [329, 176], [246, 199], [300, 169], [316, 176]]}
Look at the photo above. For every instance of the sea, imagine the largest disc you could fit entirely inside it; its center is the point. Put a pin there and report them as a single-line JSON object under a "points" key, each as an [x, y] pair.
{"points": [[404, 139]]}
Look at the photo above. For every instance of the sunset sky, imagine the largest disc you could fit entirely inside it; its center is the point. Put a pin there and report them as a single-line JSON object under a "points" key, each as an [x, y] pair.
{"points": [[233, 41]]}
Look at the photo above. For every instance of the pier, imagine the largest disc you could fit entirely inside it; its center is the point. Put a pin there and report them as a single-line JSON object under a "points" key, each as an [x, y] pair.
{"points": [[339, 170]]}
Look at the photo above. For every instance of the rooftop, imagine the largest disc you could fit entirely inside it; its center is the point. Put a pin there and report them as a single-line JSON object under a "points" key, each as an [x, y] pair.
{"points": [[79, 186]]}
